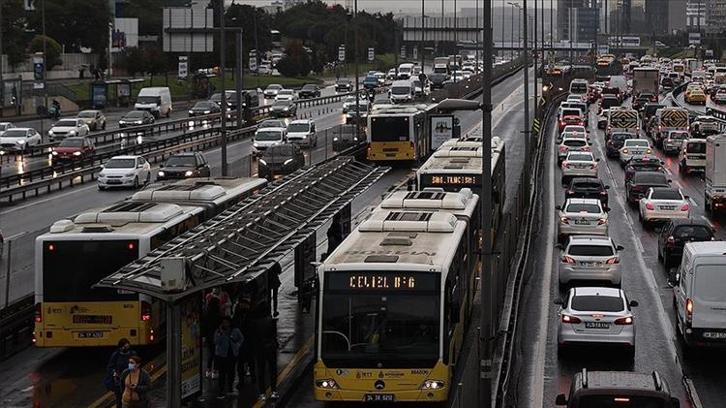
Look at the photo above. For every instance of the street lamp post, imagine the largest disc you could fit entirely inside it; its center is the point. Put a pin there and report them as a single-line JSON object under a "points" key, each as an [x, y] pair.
{"points": [[223, 113], [357, 76]]}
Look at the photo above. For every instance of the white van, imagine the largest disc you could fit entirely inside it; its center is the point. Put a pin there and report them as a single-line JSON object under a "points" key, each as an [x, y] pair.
{"points": [[699, 296], [405, 71], [156, 100], [692, 155], [401, 91]]}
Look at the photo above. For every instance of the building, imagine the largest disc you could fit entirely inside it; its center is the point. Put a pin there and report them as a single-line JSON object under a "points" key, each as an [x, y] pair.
{"points": [[582, 16], [715, 16], [695, 15], [665, 17]]}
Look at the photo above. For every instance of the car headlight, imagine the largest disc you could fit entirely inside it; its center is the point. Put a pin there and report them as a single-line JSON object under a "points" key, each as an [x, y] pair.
{"points": [[327, 384], [50, 132], [286, 109], [188, 173], [54, 153], [262, 162], [161, 174], [129, 174], [191, 112], [207, 112], [255, 144], [355, 139], [288, 161], [432, 385], [138, 122], [335, 139], [72, 132], [20, 142], [101, 174], [76, 153]]}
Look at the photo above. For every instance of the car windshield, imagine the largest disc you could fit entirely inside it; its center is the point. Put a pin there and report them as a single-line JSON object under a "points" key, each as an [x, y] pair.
{"points": [[282, 103], [271, 124], [309, 88], [571, 112], [620, 137], [590, 250], [279, 151], [203, 105], [579, 157], [298, 127], [268, 136], [343, 82], [615, 401], [87, 114], [695, 147], [15, 133], [646, 166], [580, 208], [180, 161], [678, 135], [400, 90], [361, 328], [274, 87], [596, 303], [637, 143], [697, 232], [148, 99], [120, 164], [71, 142], [65, 123], [587, 185], [134, 115], [286, 92], [574, 143], [666, 195]]}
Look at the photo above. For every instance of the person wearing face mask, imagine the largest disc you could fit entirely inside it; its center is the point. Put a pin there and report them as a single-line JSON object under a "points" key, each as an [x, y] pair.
{"points": [[116, 365], [135, 383]]}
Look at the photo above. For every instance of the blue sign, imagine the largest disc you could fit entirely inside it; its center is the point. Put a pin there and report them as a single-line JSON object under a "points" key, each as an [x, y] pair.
{"points": [[98, 95], [39, 71]]}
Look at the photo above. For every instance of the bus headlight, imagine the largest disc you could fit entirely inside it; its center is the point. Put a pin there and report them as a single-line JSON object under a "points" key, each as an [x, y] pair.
{"points": [[328, 384], [432, 385]]}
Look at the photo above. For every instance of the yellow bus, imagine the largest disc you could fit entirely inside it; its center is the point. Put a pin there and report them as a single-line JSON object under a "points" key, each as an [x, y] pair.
{"points": [[392, 308], [78, 252], [398, 134]]}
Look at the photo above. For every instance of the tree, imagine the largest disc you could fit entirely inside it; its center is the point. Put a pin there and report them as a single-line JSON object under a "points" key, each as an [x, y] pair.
{"points": [[156, 61], [14, 36], [52, 48], [75, 23], [296, 61], [132, 61]]}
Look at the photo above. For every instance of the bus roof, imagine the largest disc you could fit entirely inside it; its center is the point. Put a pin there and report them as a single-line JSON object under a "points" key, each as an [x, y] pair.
{"points": [[462, 203], [422, 241], [215, 191], [461, 157]]}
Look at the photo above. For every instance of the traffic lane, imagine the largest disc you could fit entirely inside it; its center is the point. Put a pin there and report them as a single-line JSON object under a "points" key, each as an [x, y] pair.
{"points": [[655, 340]]}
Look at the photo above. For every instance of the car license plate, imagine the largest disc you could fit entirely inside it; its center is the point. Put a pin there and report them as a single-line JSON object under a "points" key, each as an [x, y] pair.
{"points": [[582, 222], [667, 207], [715, 335], [90, 334], [597, 325], [379, 398], [590, 263], [113, 182]]}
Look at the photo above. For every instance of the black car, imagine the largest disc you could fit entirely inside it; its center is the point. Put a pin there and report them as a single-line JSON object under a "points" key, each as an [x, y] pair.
{"points": [[284, 108], [136, 118], [676, 234], [614, 143], [587, 187], [641, 181], [644, 162], [648, 111], [608, 101], [184, 165], [309, 91], [344, 137], [203, 108], [437, 80], [642, 99], [229, 96], [344, 85], [280, 160]]}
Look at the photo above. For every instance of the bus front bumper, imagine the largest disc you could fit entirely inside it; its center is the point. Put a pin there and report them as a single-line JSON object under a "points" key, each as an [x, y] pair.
{"points": [[416, 395]]}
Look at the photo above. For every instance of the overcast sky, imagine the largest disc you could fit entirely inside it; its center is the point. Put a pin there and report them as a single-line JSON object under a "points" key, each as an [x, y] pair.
{"points": [[431, 6]]}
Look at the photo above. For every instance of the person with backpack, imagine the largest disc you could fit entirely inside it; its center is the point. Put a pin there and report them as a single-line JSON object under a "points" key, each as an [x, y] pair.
{"points": [[117, 364]]}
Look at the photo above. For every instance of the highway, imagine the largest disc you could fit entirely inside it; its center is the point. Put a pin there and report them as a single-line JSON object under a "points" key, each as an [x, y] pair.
{"points": [[542, 373]]}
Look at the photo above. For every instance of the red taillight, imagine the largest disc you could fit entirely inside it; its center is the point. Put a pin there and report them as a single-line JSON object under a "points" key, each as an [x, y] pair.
{"points": [[650, 206], [570, 192], [624, 321], [603, 193], [585, 149], [565, 165], [670, 241], [568, 260], [563, 149], [570, 319], [38, 313], [131, 246], [145, 311], [685, 207], [613, 261]]}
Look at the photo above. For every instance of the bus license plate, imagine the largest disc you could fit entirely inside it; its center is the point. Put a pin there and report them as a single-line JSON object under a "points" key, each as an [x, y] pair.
{"points": [[379, 398], [90, 334]]}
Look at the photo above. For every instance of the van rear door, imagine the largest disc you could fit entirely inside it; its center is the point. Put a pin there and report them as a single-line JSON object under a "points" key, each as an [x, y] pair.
{"points": [[709, 294]]}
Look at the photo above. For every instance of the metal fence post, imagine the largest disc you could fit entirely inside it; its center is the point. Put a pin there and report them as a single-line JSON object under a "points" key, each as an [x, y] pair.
{"points": [[7, 274]]}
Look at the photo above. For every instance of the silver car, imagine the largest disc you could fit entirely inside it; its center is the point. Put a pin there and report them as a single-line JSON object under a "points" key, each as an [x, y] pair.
{"points": [[575, 142], [579, 164], [590, 258], [582, 216], [634, 147], [663, 204], [672, 143], [596, 315]]}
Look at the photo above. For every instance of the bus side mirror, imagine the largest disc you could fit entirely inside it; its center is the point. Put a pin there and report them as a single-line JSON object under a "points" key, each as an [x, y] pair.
{"points": [[561, 400]]}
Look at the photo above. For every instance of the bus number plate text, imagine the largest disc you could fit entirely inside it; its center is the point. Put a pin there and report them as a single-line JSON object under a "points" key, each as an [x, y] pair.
{"points": [[90, 335], [379, 398]]}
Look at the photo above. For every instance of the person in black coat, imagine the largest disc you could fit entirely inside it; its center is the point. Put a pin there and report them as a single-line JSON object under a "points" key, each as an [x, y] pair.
{"points": [[264, 346], [117, 364]]}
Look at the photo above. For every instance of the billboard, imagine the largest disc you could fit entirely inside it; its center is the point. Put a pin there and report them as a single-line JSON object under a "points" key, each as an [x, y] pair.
{"points": [[191, 347], [125, 34], [188, 29]]}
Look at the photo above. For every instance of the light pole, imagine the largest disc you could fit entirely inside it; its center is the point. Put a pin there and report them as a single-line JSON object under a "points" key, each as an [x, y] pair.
{"points": [[357, 76], [423, 33], [223, 113], [527, 125], [512, 37]]}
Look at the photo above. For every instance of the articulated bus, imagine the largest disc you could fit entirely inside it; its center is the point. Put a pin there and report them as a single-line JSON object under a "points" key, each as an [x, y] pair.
{"points": [[78, 252], [398, 134], [391, 308], [457, 164]]}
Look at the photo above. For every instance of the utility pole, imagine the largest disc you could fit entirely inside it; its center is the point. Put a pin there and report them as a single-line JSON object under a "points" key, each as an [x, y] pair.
{"points": [[527, 125], [357, 76], [535, 55], [240, 77], [486, 324], [2, 84], [222, 53], [423, 34]]}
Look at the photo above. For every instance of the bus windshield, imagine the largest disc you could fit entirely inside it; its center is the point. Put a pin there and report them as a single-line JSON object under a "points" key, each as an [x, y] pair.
{"points": [[390, 129], [396, 328], [71, 268]]}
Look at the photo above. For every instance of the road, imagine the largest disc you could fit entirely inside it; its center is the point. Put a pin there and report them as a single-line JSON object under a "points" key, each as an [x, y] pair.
{"points": [[542, 373], [680, 100]]}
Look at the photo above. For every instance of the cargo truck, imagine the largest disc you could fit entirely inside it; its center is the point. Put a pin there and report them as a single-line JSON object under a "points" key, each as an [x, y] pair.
{"points": [[646, 79], [715, 190]]}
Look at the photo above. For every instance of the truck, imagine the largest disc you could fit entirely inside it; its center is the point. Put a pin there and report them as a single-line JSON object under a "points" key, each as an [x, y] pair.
{"points": [[715, 190], [623, 121], [441, 65], [646, 79], [667, 119]]}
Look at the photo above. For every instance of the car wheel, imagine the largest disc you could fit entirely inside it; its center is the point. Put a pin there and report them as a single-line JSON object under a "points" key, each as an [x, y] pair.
{"points": [[101, 188], [136, 183], [103, 127], [148, 178], [630, 353]]}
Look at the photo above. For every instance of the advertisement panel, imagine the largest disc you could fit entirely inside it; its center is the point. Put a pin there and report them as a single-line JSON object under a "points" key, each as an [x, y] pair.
{"points": [[442, 129], [125, 34], [191, 347]]}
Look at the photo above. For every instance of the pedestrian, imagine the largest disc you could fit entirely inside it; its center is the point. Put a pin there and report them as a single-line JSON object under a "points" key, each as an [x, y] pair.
{"points": [[227, 341], [225, 306], [117, 364], [212, 320], [241, 320], [265, 349], [273, 283], [135, 383]]}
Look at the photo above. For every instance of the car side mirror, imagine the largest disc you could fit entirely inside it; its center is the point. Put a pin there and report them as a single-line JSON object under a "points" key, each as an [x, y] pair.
{"points": [[597, 159], [670, 181], [558, 207], [619, 248], [558, 302], [561, 400], [687, 197], [607, 209], [559, 246], [607, 187], [634, 303]]}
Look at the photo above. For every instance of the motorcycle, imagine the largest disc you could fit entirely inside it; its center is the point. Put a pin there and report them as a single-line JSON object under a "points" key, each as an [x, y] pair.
{"points": [[54, 112]]}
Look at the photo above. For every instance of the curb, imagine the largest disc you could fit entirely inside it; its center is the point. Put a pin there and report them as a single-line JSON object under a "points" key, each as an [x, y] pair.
{"points": [[692, 393]]}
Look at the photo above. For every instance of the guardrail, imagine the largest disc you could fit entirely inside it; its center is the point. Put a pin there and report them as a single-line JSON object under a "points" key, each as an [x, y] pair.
{"points": [[718, 114]]}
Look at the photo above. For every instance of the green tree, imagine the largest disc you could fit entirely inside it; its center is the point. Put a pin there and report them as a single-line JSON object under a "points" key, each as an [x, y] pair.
{"points": [[15, 39], [155, 60], [75, 23], [296, 62], [132, 61], [53, 50]]}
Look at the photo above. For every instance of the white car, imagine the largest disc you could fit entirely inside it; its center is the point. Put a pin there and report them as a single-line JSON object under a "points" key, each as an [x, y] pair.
{"points": [[18, 139], [582, 216], [575, 129], [634, 147], [267, 137], [572, 142], [662, 204], [579, 164], [272, 90], [285, 95], [124, 171], [302, 131], [349, 102], [590, 258], [596, 315], [68, 128], [5, 126]]}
